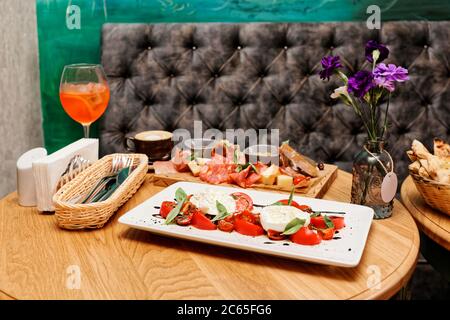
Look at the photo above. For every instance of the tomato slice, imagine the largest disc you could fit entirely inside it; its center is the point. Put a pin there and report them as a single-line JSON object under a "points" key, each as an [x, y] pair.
{"points": [[327, 234], [295, 204], [166, 207], [184, 219], [275, 235], [243, 201], [245, 227], [248, 216], [318, 222], [306, 237], [200, 221], [338, 222], [225, 226]]}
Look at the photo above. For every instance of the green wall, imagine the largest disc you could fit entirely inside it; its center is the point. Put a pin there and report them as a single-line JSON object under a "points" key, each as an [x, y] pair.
{"points": [[59, 46]]}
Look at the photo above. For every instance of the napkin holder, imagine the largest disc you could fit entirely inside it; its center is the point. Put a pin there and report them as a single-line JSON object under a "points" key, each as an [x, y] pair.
{"points": [[48, 170]]}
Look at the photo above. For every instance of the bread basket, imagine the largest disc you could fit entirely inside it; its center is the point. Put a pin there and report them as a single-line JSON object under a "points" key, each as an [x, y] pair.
{"points": [[94, 215], [435, 194]]}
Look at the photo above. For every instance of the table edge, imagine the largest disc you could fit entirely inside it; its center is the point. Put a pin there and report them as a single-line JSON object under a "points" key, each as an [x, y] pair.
{"points": [[439, 236]]}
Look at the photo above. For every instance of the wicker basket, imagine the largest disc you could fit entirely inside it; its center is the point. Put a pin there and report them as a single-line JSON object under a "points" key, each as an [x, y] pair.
{"points": [[95, 215], [436, 194]]}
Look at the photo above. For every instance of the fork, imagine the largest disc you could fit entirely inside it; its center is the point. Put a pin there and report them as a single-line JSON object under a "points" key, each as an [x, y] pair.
{"points": [[118, 162]]}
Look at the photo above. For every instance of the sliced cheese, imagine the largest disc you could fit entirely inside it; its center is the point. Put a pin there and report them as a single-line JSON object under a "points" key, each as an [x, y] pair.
{"points": [[285, 182], [194, 167], [270, 174], [202, 161]]}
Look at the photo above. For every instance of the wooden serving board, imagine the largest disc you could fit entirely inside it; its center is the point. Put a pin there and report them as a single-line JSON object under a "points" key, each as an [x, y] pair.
{"points": [[316, 189]]}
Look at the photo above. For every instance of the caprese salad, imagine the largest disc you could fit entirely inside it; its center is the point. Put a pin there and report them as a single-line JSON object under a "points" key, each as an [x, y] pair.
{"points": [[282, 220]]}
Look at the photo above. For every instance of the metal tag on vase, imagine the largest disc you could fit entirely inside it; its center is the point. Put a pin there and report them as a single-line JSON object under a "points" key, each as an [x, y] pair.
{"points": [[389, 187]]}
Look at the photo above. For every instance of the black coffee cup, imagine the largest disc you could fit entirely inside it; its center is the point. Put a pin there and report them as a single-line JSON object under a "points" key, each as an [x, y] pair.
{"points": [[156, 144]]}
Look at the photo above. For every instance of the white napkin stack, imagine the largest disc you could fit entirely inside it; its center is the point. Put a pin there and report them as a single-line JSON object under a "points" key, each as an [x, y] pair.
{"points": [[25, 180], [48, 170]]}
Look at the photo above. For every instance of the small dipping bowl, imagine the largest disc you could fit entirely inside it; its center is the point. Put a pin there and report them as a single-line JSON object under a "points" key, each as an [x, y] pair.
{"points": [[201, 148], [265, 153]]}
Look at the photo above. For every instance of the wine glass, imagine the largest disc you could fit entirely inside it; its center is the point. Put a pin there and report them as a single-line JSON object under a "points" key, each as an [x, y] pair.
{"points": [[84, 93]]}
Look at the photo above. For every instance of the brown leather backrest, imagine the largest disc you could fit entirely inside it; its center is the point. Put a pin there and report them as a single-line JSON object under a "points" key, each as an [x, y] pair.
{"points": [[264, 75]]}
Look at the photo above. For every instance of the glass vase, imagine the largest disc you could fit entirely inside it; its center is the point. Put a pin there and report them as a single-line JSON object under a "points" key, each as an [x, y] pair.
{"points": [[370, 166]]}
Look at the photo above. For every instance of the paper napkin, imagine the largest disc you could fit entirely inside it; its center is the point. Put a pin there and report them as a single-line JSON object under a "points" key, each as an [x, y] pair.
{"points": [[48, 170]]}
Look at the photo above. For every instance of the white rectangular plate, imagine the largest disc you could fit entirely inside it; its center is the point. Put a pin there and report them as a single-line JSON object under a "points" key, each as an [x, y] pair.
{"points": [[345, 251]]}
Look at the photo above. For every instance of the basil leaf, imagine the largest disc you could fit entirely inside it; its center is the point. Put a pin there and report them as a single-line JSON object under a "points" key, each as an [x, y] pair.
{"points": [[315, 214], [223, 213], [328, 222], [278, 203], [291, 196], [293, 226], [254, 168], [235, 156], [180, 195], [174, 212]]}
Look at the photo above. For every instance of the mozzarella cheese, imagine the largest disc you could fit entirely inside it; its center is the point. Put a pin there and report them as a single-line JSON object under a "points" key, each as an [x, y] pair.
{"points": [[277, 217], [206, 201]]}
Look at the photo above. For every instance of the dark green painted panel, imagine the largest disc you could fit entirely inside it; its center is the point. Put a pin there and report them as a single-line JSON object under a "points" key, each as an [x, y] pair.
{"points": [[59, 46]]}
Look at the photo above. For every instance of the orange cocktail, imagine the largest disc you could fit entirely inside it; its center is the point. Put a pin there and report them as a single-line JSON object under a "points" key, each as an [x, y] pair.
{"points": [[84, 102]]}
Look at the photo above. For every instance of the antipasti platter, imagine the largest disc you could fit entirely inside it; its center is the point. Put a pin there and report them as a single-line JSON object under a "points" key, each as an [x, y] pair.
{"points": [[301, 228], [279, 169]]}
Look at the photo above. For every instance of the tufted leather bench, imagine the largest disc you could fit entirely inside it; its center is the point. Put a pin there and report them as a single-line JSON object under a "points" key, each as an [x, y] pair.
{"points": [[264, 75]]}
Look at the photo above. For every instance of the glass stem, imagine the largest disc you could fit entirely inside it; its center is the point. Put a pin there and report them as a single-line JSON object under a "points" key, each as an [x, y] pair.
{"points": [[86, 130]]}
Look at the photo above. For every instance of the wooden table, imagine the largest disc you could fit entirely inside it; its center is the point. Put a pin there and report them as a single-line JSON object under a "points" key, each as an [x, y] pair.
{"points": [[434, 228], [38, 260], [435, 224]]}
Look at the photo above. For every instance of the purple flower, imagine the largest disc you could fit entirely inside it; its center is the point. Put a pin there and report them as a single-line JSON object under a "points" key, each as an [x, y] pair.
{"points": [[371, 46], [329, 64], [386, 75], [360, 83]]}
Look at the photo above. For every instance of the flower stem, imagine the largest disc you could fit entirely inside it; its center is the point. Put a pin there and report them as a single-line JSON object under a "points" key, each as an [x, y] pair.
{"points": [[386, 117]]}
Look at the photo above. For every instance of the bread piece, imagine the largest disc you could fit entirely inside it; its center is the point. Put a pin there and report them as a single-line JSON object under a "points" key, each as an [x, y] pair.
{"points": [[411, 155], [443, 175], [423, 173], [414, 167], [299, 162], [419, 150], [441, 149]]}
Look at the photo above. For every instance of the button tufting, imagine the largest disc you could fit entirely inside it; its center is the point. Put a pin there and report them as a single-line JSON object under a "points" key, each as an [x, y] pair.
{"points": [[216, 75], [149, 48], [239, 47], [285, 47], [425, 46], [194, 48]]}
